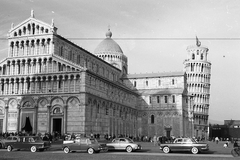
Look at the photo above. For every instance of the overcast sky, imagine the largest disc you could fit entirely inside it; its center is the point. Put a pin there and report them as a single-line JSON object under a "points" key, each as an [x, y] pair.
{"points": [[153, 34]]}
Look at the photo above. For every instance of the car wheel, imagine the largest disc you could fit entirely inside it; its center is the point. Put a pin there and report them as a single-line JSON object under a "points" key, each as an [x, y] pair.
{"points": [[129, 149], [90, 151], [194, 150], [234, 152], [9, 148], [33, 149], [66, 150], [166, 149]]}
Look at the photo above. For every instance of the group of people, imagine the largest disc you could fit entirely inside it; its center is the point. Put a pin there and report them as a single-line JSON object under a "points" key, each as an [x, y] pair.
{"points": [[226, 142]]}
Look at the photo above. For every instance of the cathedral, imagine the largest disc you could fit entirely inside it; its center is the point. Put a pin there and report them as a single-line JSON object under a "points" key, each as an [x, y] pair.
{"points": [[49, 84]]}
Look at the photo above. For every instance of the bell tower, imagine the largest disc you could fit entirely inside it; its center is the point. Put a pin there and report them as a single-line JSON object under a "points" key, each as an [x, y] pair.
{"points": [[198, 72]]}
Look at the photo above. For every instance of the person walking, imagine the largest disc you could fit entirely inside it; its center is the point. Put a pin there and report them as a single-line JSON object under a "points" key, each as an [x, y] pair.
{"points": [[154, 140], [216, 140]]}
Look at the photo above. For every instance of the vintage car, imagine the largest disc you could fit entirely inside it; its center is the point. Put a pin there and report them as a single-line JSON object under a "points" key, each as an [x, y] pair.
{"points": [[90, 145], [123, 144], [184, 144], [8, 139], [33, 143]]}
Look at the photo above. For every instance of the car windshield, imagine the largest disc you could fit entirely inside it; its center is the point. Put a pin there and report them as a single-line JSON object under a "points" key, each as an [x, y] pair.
{"points": [[93, 141], [129, 140], [193, 140]]}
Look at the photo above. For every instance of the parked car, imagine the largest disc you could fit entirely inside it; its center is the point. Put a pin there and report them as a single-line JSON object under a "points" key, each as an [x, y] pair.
{"points": [[90, 145], [123, 144], [184, 144], [8, 139], [33, 143]]}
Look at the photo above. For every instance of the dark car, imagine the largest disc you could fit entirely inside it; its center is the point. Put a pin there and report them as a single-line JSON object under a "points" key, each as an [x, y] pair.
{"points": [[90, 145], [8, 139], [33, 143], [184, 144], [126, 144]]}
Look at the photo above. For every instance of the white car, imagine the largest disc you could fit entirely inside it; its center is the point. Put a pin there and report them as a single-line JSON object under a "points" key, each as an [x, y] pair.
{"points": [[123, 144]]}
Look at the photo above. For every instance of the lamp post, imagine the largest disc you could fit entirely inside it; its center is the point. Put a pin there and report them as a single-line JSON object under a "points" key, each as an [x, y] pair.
{"points": [[192, 112]]}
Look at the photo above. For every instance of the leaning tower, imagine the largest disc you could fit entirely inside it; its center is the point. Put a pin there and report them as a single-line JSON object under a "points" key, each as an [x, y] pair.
{"points": [[198, 71]]}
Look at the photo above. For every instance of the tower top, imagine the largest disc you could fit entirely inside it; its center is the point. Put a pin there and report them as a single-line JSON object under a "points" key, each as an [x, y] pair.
{"points": [[198, 43]]}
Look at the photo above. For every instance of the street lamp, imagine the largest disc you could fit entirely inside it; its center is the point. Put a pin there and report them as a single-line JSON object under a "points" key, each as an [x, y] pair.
{"points": [[191, 112]]}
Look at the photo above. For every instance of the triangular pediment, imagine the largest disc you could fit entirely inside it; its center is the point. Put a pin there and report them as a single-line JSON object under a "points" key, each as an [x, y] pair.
{"points": [[31, 26]]}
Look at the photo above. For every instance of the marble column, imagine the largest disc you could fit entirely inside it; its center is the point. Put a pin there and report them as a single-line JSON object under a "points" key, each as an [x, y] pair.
{"points": [[65, 119], [35, 119], [18, 118], [6, 118], [49, 118]]}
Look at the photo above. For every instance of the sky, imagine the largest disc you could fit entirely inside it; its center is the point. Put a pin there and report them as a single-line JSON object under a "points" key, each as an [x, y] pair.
{"points": [[153, 34]]}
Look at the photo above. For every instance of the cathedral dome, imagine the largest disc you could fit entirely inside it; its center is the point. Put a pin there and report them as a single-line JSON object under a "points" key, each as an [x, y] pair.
{"points": [[108, 46]]}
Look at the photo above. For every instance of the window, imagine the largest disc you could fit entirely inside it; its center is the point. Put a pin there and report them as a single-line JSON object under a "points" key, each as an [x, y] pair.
{"points": [[106, 110], [192, 67], [193, 56], [61, 51], [158, 99], [146, 83], [166, 99], [150, 99], [201, 56], [179, 141], [159, 82], [173, 98], [60, 83], [152, 119], [173, 81], [78, 59], [98, 109], [135, 83]]}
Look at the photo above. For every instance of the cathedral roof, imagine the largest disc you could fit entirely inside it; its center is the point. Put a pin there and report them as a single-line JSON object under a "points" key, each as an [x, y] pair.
{"points": [[161, 91], [151, 75], [108, 46]]}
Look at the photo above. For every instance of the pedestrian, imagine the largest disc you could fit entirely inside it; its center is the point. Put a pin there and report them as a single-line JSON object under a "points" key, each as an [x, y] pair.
{"points": [[154, 140], [216, 140]]}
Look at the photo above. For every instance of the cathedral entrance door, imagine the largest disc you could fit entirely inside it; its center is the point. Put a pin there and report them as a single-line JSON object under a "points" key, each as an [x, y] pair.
{"points": [[57, 125], [168, 133]]}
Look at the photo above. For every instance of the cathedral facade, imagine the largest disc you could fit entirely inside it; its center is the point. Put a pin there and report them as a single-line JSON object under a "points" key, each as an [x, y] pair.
{"points": [[49, 84]]}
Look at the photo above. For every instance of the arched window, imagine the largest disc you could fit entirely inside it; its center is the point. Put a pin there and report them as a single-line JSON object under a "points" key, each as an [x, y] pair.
{"points": [[98, 109], [152, 119], [201, 56], [173, 98], [193, 56], [106, 110]]}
